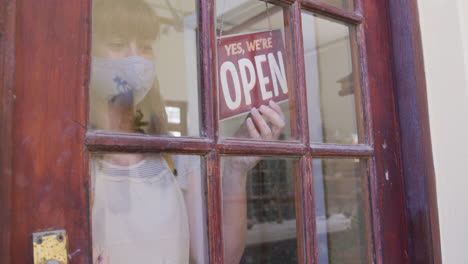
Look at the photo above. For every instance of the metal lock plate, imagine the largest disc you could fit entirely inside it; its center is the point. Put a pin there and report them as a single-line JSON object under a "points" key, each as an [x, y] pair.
{"points": [[50, 247]]}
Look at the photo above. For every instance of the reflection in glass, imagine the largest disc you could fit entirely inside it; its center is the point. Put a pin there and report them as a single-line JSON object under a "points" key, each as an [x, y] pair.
{"points": [[175, 133], [342, 211], [173, 114], [332, 79], [254, 66], [345, 4], [143, 53], [270, 213], [146, 208]]}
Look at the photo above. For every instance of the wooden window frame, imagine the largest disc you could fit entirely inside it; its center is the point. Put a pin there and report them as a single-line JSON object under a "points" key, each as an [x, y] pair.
{"points": [[405, 226]]}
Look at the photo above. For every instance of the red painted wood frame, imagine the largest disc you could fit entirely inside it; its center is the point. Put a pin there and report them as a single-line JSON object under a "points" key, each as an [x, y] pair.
{"points": [[44, 70]]}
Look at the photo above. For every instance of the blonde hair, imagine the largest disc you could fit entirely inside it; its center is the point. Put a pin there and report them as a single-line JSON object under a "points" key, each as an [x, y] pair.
{"points": [[132, 19], [125, 18]]}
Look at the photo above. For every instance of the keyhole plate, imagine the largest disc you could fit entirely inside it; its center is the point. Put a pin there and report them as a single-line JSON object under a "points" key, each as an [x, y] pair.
{"points": [[50, 247]]}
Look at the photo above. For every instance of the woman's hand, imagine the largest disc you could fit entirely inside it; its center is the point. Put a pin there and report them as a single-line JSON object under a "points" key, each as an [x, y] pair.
{"points": [[257, 128]]}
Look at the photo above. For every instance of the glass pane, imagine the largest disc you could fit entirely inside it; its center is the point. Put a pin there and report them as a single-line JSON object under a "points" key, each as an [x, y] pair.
{"points": [[342, 211], [144, 54], [147, 208], [332, 78], [258, 206], [345, 4], [254, 55]]}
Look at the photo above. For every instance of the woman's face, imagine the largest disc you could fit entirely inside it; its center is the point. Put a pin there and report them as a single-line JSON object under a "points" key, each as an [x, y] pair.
{"points": [[121, 47]]}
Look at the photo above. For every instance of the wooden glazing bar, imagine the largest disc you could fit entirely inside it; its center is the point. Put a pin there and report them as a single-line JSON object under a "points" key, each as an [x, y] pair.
{"points": [[358, 6], [299, 207], [207, 51], [374, 207], [332, 11], [89, 193], [291, 73], [214, 204], [305, 207], [353, 42], [371, 226], [369, 196], [264, 148], [365, 88], [308, 210], [327, 150], [141, 143], [366, 201], [300, 74]]}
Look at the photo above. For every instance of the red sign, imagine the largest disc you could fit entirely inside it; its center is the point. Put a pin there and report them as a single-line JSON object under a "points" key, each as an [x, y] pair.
{"points": [[251, 72]]}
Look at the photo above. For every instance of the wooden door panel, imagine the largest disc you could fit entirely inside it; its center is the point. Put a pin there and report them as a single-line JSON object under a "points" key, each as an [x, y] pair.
{"points": [[388, 193], [48, 150]]}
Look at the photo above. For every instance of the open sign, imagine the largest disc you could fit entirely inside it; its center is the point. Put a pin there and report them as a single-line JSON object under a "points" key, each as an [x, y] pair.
{"points": [[251, 72]]}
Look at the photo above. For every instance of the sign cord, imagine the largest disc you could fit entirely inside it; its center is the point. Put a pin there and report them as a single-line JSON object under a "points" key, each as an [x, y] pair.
{"points": [[268, 17], [222, 23], [222, 20]]}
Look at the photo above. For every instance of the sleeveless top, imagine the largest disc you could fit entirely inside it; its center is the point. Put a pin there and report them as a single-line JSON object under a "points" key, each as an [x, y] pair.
{"points": [[139, 214]]}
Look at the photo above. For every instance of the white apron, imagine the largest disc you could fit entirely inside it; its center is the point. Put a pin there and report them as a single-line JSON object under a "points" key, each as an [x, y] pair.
{"points": [[141, 218]]}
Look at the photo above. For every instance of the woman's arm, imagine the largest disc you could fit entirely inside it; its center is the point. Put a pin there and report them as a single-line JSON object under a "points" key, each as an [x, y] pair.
{"points": [[234, 173], [235, 177]]}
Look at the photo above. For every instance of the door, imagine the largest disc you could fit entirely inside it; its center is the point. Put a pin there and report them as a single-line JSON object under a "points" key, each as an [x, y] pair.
{"points": [[322, 180]]}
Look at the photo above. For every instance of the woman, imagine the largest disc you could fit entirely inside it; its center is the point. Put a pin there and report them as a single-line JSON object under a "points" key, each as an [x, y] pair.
{"points": [[148, 208]]}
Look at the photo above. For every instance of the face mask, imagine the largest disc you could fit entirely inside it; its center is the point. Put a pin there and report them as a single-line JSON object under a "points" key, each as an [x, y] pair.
{"points": [[123, 81]]}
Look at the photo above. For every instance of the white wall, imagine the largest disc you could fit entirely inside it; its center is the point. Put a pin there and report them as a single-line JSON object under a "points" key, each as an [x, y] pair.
{"points": [[444, 25], [463, 14]]}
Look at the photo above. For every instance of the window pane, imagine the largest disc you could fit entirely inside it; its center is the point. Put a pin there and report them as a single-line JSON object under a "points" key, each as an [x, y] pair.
{"points": [[144, 53], [342, 211], [259, 205], [255, 67], [147, 208], [332, 78], [345, 4]]}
